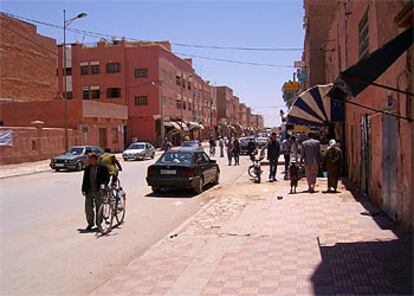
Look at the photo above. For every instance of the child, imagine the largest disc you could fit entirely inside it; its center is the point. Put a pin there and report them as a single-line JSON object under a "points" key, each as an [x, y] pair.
{"points": [[294, 175]]}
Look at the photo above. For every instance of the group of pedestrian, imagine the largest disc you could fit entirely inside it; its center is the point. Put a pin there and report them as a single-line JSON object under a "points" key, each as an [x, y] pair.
{"points": [[230, 145]]}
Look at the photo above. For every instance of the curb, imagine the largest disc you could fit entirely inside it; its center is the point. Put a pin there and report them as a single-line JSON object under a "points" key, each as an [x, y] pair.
{"points": [[25, 174]]}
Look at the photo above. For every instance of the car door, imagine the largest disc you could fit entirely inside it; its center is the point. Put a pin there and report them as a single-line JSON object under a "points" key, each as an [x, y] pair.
{"points": [[147, 150], [208, 166], [200, 163], [87, 151]]}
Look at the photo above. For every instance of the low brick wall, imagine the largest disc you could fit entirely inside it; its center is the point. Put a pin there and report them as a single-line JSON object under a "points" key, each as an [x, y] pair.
{"points": [[36, 143]]}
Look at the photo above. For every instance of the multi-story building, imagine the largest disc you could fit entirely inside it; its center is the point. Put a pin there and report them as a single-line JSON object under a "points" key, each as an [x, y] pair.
{"points": [[318, 17], [379, 148], [27, 62], [145, 76], [243, 115], [42, 123]]}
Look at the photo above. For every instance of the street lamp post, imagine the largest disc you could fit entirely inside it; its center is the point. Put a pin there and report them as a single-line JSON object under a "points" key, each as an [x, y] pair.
{"points": [[65, 24], [161, 111]]}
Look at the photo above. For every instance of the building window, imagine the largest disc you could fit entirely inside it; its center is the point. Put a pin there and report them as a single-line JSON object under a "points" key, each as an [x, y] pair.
{"points": [[141, 100], [178, 104], [113, 67], [183, 85], [85, 93], [95, 69], [68, 95], [114, 92], [363, 37], [189, 85], [95, 93], [141, 73], [114, 135], [68, 72], [84, 70], [178, 80]]}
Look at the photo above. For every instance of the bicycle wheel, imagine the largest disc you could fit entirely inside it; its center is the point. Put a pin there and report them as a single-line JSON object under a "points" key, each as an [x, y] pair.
{"points": [[251, 171], [120, 209], [106, 217]]}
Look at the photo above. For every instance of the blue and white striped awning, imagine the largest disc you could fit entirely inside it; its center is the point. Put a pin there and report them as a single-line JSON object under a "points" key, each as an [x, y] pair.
{"points": [[314, 108]]}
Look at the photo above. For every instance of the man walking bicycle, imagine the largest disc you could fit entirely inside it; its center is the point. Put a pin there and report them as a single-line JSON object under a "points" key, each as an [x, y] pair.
{"points": [[94, 176]]}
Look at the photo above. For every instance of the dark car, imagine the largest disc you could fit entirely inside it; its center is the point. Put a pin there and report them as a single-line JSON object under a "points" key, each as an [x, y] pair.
{"points": [[183, 168], [75, 158], [261, 142], [244, 144], [193, 143]]}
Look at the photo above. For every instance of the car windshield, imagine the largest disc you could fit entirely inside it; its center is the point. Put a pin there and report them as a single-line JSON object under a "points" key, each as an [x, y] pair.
{"points": [[136, 146], [189, 144], [74, 151], [176, 157]]}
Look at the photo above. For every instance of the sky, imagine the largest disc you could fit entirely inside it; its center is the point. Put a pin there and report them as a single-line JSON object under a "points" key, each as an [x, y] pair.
{"points": [[253, 24]]}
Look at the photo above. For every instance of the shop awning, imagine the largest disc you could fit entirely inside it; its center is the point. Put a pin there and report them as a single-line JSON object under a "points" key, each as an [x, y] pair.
{"points": [[193, 125], [314, 108], [359, 76], [238, 126], [201, 126], [182, 126], [172, 124]]}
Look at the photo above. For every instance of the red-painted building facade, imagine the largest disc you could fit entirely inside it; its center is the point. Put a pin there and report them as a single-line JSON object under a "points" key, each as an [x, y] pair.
{"points": [[379, 148], [138, 75]]}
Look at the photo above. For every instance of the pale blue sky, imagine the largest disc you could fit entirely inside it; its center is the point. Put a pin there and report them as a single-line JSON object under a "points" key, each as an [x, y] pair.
{"points": [[270, 24]]}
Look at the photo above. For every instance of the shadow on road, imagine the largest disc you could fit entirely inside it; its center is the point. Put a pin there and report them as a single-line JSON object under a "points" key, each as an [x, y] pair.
{"points": [[171, 193]]}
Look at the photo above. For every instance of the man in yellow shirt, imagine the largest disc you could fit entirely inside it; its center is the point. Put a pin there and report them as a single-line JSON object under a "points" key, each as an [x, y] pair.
{"points": [[109, 160]]}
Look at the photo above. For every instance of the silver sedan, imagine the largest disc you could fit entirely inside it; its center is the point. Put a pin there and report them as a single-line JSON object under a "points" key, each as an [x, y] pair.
{"points": [[139, 151]]}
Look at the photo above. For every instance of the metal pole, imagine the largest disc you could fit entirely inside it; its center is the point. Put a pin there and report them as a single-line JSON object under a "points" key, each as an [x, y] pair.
{"points": [[182, 100], [162, 112], [64, 82]]}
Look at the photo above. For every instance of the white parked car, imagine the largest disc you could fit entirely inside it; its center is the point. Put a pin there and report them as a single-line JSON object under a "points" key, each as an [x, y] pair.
{"points": [[139, 151]]}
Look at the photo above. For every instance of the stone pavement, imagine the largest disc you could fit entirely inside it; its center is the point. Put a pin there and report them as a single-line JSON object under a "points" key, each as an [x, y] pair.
{"points": [[246, 241]]}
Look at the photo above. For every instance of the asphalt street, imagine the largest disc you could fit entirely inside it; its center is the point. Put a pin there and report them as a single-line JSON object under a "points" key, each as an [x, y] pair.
{"points": [[44, 251]]}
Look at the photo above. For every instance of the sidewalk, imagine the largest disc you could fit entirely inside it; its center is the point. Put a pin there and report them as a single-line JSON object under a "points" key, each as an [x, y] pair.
{"points": [[246, 241]]}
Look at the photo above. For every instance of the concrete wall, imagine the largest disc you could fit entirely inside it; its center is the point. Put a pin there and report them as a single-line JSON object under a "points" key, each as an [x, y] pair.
{"points": [[27, 62], [32, 144]]}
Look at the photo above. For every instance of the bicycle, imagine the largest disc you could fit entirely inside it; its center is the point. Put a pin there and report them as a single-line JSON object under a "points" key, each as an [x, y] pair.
{"points": [[113, 205], [255, 171]]}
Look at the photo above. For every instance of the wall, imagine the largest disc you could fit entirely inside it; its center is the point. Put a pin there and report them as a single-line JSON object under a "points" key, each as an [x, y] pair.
{"points": [[27, 62], [32, 144], [344, 52]]}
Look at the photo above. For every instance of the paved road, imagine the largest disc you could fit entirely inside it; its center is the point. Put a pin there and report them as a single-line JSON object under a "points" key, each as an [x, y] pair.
{"points": [[44, 253]]}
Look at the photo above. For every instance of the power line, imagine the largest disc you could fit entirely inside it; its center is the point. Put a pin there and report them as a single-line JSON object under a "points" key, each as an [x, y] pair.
{"points": [[99, 35], [233, 61]]}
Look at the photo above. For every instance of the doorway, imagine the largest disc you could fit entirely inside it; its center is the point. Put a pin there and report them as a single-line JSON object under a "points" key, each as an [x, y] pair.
{"points": [[102, 138], [389, 165]]}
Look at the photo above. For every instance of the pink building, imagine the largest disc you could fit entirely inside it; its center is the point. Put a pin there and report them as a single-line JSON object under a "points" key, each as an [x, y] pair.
{"points": [[379, 148]]}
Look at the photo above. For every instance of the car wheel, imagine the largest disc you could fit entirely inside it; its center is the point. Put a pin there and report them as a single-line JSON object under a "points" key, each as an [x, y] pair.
{"points": [[199, 187], [79, 166], [57, 170], [125, 159], [152, 155], [156, 189], [217, 179]]}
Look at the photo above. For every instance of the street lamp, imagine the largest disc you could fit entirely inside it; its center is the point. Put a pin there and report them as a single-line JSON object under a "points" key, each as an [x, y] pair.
{"points": [[65, 24], [182, 99]]}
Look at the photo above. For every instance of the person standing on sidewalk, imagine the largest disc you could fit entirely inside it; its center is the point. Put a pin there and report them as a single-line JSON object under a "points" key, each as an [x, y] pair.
{"points": [[286, 146], [294, 148], [311, 155], [212, 143], [236, 151], [166, 145], [221, 144], [333, 159], [273, 151], [229, 148], [94, 176]]}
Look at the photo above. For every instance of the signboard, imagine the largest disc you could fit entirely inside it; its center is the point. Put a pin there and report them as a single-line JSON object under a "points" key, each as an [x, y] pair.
{"points": [[299, 64], [291, 86], [6, 138], [301, 75]]}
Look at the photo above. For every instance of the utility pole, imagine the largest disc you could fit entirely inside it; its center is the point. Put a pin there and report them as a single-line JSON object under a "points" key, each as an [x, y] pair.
{"points": [[182, 100], [64, 82], [161, 110]]}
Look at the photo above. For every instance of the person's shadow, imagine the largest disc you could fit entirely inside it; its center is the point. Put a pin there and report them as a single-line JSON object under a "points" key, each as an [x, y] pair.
{"points": [[83, 230]]}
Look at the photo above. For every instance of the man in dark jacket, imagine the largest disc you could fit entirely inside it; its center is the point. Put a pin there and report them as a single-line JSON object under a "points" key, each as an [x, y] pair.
{"points": [[94, 176], [273, 151]]}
